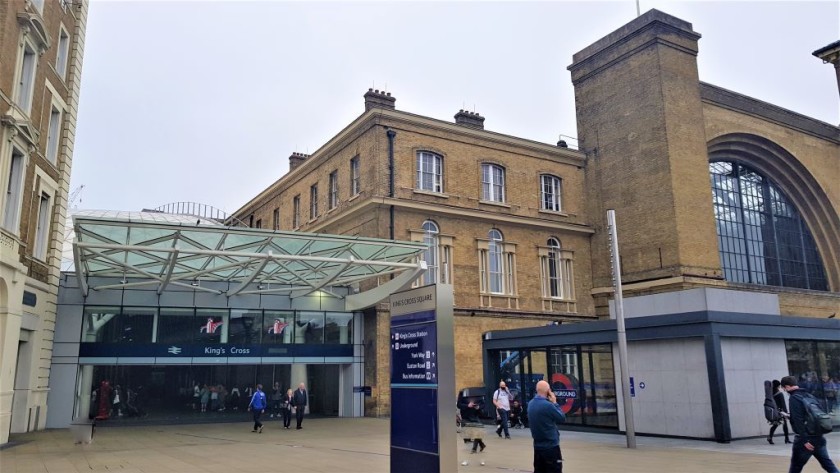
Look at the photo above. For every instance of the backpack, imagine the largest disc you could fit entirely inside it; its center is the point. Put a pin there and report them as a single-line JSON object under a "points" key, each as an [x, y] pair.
{"points": [[771, 410], [817, 422]]}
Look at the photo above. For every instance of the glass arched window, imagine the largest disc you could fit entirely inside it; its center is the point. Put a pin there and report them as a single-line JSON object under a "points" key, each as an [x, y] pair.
{"points": [[496, 263], [554, 280], [430, 255], [761, 236]]}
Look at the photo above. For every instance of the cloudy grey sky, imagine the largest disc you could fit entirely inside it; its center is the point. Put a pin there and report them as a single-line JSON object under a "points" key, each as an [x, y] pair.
{"points": [[204, 101]]}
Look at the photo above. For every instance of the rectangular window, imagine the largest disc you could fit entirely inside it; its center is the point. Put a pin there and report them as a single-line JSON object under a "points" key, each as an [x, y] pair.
{"points": [[14, 189], [355, 180], [42, 231], [63, 53], [313, 202], [429, 172], [26, 82], [259, 223], [333, 197], [296, 211], [493, 183], [550, 193], [275, 224], [53, 135]]}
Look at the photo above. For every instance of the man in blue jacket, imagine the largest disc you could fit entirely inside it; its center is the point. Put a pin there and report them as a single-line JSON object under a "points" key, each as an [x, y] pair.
{"points": [[544, 415], [257, 407]]}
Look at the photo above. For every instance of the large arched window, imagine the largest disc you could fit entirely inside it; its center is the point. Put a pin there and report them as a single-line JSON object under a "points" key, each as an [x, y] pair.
{"points": [[495, 268], [762, 238], [430, 255]]}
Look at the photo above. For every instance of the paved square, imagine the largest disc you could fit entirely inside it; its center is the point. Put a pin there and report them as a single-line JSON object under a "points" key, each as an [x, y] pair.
{"points": [[356, 445]]}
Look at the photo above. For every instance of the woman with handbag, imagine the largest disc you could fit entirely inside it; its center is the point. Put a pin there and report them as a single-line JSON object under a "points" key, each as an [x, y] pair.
{"points": [[286, 408]]}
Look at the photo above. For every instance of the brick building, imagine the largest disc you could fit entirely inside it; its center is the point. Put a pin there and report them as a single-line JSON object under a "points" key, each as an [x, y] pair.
{"points": [[505, 216], [518, 227], [41, 45], [712, 189]]}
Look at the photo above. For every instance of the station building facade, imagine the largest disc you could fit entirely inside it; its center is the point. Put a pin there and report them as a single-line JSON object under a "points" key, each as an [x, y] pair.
{"points": [[176, 318], [712, 189]]}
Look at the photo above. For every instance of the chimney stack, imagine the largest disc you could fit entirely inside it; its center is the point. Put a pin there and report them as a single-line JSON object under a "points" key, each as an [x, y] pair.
{"points": [[296, 159], [379, 99], [469, 119]]}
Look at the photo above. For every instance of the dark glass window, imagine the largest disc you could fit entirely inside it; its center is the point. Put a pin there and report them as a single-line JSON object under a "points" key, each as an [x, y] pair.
{"points": [[278, 327], [136, 325], [762, 238], [245, 326], [176, 326], [211, 326]]}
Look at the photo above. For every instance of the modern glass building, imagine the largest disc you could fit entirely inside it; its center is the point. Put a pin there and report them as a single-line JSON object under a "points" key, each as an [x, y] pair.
{"points": [[177, 319], [698, 360]]}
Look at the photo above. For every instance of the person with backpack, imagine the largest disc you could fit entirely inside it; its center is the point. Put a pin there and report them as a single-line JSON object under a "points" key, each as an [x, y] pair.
{"points": [[257, 407], [781, 406], [810, 423]]}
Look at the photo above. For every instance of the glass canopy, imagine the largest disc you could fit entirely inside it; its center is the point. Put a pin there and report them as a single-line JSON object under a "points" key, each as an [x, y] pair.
{"points": [[164, 249]]}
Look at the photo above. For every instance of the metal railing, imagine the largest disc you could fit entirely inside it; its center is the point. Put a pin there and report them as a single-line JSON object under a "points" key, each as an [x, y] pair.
{"points": [[200, 210]]}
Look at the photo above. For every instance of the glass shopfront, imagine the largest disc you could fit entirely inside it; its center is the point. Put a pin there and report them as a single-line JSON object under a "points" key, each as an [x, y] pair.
{"points": [[817, 367], [581, 377]]}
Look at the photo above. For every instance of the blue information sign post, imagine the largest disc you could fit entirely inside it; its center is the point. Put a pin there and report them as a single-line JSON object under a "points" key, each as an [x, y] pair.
{"points": [[422, 381]]}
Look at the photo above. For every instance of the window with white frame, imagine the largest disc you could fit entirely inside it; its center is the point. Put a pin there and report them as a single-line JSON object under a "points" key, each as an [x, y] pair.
{"points": [[493, 183], [53, 135], [42, 231], [430, 255], [497, 265], [313, 201], [14, 191], [296, 211], [429, 171], [355, 176], [333, 197], [556, 271], [550, 193], [62, 54], [26, 78], [438, 253]]}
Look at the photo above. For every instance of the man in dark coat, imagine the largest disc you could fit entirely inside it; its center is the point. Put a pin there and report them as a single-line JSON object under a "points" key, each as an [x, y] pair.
{"points": [[299, 401], [806, 444]]}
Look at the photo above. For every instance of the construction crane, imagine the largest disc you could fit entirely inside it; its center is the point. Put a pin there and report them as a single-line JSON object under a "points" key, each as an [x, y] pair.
{"points": [[74, 196]]}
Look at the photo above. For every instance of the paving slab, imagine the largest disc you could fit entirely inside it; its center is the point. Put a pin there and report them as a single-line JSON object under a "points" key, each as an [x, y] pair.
{"points": [[362, 445]]}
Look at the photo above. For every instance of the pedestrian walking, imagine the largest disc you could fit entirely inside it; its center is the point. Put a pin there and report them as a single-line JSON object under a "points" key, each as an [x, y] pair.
{"points": [[779, 399], [502, 399], [276, 394], [544, 415], [257, 408], [809, 440], [299, 401], [286, 403]]}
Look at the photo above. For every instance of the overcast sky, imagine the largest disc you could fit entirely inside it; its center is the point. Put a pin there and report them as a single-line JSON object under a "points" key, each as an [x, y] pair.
{"points": [[204, 101]]}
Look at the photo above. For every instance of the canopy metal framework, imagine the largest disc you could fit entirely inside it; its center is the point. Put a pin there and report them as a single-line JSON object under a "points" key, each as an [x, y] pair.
{"points": [[150, 249]]}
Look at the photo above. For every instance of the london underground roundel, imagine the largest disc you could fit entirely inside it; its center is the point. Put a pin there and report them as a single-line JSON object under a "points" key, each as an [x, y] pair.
{"points": [[565, 387]]}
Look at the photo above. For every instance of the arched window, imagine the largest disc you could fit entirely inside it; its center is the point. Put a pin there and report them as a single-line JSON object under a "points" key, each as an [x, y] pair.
{"points": [[430, 255], [554, 279], [762, 238], [496, 263]]}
